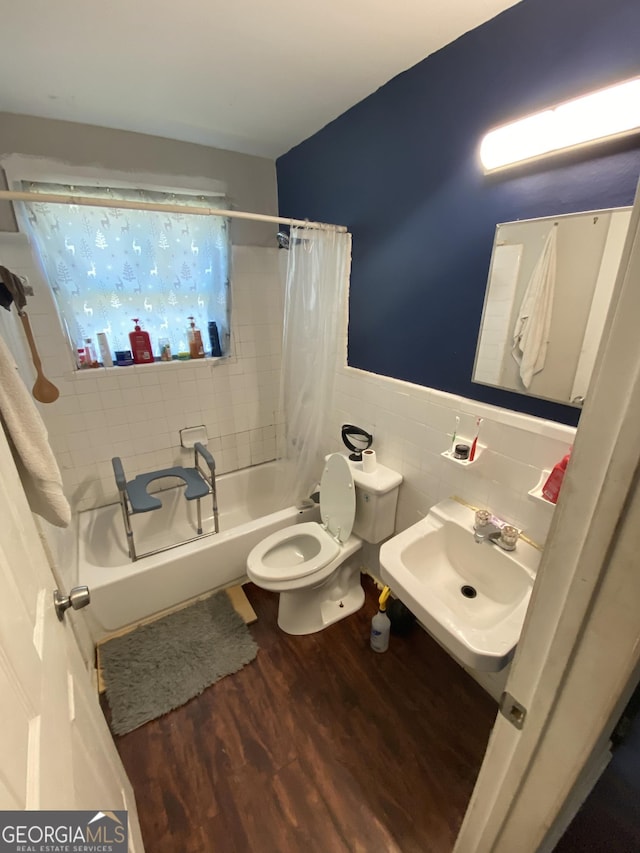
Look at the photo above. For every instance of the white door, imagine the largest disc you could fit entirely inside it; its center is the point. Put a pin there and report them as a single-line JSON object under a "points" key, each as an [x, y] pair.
{"points": [[56, 751]]}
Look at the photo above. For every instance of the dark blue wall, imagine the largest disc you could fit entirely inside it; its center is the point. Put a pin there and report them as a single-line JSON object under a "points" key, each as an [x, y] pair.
{"points": [[400, 169]]}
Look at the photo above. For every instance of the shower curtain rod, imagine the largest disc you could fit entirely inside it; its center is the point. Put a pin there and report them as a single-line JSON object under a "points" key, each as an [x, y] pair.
{"points": [[51, 198]]}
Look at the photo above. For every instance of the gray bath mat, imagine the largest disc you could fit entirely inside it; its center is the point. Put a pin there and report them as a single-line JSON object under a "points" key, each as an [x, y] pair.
{"points": [[160, 666]]}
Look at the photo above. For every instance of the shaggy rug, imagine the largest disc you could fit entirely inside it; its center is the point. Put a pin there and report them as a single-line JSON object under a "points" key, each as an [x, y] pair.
{"points": [[160, 666]]}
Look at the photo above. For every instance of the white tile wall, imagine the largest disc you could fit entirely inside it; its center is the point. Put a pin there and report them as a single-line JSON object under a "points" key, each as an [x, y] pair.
{"points": [[136, 412], [413, 425]]}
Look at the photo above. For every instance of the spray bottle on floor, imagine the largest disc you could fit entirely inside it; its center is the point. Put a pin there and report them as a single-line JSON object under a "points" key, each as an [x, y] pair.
{"points": [[380, 624]]}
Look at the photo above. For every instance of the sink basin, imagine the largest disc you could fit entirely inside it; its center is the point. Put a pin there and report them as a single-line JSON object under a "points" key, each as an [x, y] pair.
{"points": [[472, 597]]}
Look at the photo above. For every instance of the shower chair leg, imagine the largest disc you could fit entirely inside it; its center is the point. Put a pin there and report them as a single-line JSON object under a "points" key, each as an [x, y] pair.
{"points": [[214, 499], [127, 527]]}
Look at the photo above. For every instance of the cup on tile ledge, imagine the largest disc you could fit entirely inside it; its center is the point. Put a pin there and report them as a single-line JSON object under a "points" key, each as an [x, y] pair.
{"points": [[165, 349], [123, 357]]}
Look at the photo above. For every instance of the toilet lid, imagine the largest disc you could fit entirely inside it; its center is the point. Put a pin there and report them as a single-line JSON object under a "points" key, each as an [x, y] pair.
{"points": [[337, 497]]}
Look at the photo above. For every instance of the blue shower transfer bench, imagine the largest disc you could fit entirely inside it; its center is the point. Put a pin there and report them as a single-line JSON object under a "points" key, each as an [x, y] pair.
{"points": [[134, 497]]}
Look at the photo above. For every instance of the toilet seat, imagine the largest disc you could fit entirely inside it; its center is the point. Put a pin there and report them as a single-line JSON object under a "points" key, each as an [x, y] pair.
{"points": [[301, 550], [292, 553]]}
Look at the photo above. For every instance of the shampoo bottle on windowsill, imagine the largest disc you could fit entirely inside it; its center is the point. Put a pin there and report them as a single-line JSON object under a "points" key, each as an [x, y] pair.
{"points": [[196, 349], [90, 359], [140, 345], [551, 488], [214, 340]]}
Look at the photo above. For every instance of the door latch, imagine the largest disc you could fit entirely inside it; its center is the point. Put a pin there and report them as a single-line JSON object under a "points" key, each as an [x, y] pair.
{"points": [[78, 598], [512, 710]]}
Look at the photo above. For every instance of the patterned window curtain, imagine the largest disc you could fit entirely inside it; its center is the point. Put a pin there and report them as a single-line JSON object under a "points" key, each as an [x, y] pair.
{"points": [[107, 266]]}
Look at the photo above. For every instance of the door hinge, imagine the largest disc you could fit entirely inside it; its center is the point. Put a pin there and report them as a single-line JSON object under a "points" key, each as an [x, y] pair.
{"points": [[512, 710]]}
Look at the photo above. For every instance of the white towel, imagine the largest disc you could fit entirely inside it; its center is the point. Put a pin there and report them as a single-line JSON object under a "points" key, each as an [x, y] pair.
{"points": [[29, 443], [531, 331]]}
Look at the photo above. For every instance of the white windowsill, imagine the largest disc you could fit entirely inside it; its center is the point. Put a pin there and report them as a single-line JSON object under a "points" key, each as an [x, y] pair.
{"points": [[200, 363]]}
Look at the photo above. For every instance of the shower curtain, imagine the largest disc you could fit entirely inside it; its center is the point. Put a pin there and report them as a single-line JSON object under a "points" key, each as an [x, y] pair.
{"points": [[314, 328]]}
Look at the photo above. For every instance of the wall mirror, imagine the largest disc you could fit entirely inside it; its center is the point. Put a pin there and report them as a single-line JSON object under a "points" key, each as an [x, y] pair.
{"points": [[549, 288]]}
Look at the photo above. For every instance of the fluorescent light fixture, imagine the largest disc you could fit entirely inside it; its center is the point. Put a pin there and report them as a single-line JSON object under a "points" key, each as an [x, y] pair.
{"points": [[607, 113]]}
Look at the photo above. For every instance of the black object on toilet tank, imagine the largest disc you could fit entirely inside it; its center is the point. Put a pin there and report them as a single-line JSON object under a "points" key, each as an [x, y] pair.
{"points": [[356, 439]]}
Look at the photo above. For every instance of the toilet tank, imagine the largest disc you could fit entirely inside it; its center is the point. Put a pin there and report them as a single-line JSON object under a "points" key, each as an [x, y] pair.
{"points": [[376, 501]]}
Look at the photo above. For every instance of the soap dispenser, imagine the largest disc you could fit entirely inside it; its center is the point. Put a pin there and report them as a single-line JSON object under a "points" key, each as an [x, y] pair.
{"points": [[140, 345], [196, 349], [551, 488]]}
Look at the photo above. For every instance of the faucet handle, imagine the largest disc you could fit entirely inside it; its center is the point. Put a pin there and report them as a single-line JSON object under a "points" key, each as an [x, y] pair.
{"points": [[483, 517], [509, 537]]}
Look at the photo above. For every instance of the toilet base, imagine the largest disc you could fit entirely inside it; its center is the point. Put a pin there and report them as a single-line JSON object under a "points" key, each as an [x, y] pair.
{"points": [[307, 611]]}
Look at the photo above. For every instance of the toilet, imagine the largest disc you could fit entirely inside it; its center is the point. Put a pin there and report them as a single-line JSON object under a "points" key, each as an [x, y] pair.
{"points": [[311, 564]]}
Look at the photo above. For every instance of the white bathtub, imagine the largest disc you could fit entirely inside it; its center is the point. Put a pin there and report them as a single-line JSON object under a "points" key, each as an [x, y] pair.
{"points": [[123, 592]]}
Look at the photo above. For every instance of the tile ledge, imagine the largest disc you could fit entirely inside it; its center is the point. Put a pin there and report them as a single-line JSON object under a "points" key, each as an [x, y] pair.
{"points": [[157, 366]]}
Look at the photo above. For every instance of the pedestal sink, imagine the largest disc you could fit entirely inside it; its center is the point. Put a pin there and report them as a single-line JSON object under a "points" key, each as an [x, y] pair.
{"points": [[472, 597]]}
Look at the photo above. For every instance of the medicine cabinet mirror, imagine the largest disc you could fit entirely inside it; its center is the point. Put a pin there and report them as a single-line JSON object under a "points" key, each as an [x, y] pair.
{"points": [[553, 287]]}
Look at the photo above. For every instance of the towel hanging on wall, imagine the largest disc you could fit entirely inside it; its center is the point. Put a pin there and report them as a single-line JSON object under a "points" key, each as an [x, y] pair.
{"points": [[29, 444], [531, 331]]}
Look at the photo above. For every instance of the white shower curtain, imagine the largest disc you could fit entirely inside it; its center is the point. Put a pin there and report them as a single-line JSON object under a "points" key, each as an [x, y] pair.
{"points": [[314, 326]]}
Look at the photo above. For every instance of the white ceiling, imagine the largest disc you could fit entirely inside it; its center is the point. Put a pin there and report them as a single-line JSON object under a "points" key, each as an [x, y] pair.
{"points": [[247, 75]]}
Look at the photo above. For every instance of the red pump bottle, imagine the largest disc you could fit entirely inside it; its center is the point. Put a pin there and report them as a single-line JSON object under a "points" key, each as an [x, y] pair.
{"points": [[551, 488], [140, 345]]}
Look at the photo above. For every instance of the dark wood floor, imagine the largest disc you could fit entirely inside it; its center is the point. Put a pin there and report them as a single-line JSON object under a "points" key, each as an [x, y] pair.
{"points": [[318, 745]]}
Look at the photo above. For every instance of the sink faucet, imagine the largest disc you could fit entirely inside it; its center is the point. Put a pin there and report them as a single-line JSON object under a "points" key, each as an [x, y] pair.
{"points": [[487, 531], [488, 528]]}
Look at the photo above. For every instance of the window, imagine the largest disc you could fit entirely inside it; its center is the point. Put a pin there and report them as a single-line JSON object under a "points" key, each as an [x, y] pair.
{"points": [[107, 266]]}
